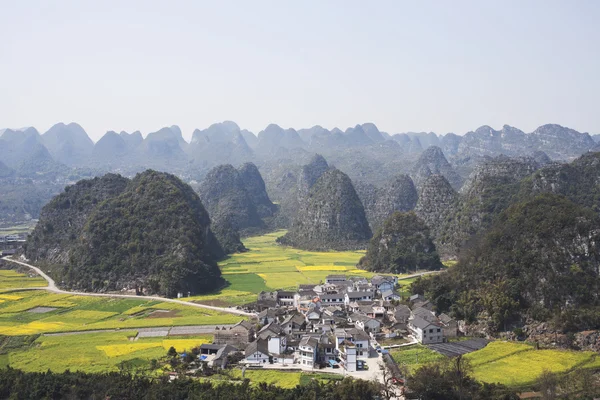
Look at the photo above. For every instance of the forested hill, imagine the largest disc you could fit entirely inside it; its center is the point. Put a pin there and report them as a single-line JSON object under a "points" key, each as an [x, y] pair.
{"points": [[151, 234]]}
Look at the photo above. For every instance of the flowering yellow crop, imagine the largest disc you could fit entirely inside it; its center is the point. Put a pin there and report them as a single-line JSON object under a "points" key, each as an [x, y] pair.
{"points": [[31, 328], [10, 297], [116, 350], [184, 344]]}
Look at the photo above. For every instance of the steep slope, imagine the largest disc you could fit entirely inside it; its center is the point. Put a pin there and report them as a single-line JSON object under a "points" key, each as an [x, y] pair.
{"points": [[229, 205], [274, 138], [579, 181], [255, 186], [489, 190], [63, 218], [399, 194], [162, 149], [540, 257], [331, 217], [436, 206], [560, 142], [5, 171], [110, 147], [401, 245], [220, 143], [68, 144], [132, 140], [433, 162], [150, 234]]}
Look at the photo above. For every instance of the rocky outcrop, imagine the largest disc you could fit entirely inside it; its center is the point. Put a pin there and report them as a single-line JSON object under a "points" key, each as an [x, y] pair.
{"points": [[398, 195], [255, 186], [230, 206], [218, 144], [433, 162], [68, 144], [436, 206], [331, 217]]}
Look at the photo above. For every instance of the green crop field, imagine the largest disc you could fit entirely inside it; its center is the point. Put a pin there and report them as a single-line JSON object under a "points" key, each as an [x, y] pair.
{"points": [[513, 364], [96, 352], [19, 313], [269, 266], [520, 364]]}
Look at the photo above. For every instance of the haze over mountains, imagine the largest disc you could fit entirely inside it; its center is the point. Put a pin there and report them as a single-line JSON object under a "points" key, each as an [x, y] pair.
{"points": [[34, 166]]}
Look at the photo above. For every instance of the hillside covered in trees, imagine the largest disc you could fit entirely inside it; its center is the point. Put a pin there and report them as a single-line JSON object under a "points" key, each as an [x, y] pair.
{"points": [[150, 234]]}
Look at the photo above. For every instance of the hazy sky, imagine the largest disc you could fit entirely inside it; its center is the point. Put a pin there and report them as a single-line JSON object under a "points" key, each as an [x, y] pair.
{"points": [[442, 66]]}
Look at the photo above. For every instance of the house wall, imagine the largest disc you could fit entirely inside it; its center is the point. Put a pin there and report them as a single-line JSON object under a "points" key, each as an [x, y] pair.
{"points": [[257, 358]]}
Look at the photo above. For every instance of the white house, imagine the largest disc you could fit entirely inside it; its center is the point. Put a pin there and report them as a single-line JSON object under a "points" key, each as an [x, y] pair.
{"points": [[307, 350], [332, 298], [426, 332], [389, 295], [350, 297], [257, 352]]}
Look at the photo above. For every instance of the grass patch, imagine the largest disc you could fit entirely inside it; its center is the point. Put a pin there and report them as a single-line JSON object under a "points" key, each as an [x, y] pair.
{"points": [[282, 379], [415, 356]]}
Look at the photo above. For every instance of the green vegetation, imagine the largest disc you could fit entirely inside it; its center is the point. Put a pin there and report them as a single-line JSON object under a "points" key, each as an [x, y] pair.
{"points": [[150, 233], [539, 256], [282, 379], [415, 356], [97, 352], [520, 365], [516, 365], [270, 266], [331, 217], [402, 245], [17, 384], [80, 313]]}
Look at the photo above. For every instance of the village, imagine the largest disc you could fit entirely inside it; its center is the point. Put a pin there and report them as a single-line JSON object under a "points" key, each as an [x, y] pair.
{"points": [[338, 325]]}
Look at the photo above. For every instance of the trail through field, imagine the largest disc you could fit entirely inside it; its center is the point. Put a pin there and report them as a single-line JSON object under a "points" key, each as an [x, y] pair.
{"points": [[54, 289]]}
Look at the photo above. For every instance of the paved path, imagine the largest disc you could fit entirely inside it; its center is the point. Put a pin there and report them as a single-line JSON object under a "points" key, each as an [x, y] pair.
{"points": [[53, 288], [420, 274], [171, 330]]}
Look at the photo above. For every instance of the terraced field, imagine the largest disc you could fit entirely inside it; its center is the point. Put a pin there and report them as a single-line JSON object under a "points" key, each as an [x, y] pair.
{"points": [[96, 352], [520, 364], [513, 364], [270, 266], [20, 313], [10, 279]]}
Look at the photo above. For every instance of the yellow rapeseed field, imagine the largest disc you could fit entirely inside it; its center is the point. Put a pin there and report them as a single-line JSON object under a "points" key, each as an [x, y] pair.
{"points": [[185, 344], [31, 328], [117, 350], [10, 297]]}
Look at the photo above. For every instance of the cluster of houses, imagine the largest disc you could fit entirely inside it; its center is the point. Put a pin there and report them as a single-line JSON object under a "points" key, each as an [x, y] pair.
{"points": [[332, 324]]}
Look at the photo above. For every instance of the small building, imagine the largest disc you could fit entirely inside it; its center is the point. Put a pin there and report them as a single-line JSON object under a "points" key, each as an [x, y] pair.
{"points": [[334, 279], [449, 325], [390, 295], [286, 298], [383, 283], [333, 298], [402, 313], [426, 332], [238, 335], [351, 297], [257, 352], [308, 350]]}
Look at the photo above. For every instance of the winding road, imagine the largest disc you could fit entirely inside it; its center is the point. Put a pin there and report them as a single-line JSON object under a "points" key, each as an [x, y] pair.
{"points": [[54, 289]]}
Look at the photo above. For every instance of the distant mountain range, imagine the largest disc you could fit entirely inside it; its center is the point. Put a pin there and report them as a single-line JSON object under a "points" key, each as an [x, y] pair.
{"points": [[65, 154]]}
